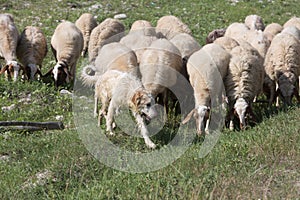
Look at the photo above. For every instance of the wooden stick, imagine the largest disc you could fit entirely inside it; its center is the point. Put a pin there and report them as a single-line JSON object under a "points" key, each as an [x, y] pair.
{"points": [[32, 126]]}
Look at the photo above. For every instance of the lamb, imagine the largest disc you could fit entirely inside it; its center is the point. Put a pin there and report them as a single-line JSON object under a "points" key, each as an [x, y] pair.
{"points": [[207, 69], [271, 30], [111, 56], [66, 45], [243, 82], [8, 43], [86, 23], [282, 68], [254, 22], [213, 35], [169, 26], [110, 30], [117, 89], [32, 49], [226, 42]]}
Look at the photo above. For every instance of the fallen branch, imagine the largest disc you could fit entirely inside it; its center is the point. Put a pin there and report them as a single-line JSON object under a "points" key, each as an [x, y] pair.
{"points": [[31, 126]]}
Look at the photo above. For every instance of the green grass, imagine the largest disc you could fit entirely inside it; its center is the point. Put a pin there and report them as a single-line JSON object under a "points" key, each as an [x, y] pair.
{"points": [[262, 162]]}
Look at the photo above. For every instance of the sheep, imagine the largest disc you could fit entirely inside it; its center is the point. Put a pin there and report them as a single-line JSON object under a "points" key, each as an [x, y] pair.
{"points": [[226, 42], [293, 30], [254, 22], [282, 68], [117, 89], [213, 35], [111, 56], [138, 40], [243, 82], [271, 30], [110, 30], [256, 38], [169, 26], [160, 64], [8, 43], [86, 23], [207, 69], [143, 26], [294, 21], [66, 45], [31, 50]]}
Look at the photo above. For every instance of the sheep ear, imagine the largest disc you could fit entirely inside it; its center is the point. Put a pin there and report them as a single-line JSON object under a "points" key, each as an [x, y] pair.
{"points": [[48, 73], [69, 76], [4, 69], [188, 117]]}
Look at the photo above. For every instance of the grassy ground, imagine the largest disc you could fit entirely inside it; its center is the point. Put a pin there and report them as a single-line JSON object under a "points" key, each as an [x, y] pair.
{"points": [[262, 162]]}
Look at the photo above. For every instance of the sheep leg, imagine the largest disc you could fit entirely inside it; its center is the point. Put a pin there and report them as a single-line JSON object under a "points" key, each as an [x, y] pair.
{"points": [[277, 96], [96, 107], [102, 111], [144, 131]]}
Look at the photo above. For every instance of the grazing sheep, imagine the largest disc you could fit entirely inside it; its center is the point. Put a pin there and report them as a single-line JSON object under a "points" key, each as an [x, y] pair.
{"points": [[8, 43], [254, 22], [117, 89], [86, 23], [243, 82], [32, 49], [213, 35], [159, 67], [111, 56], [66, 45], [271, 30], [294, 21], [236, 31], [282, 66], [108, 31], [206, 68], [169, 26], [138, 40], [293, 30], [227, 43], [143, 26]]}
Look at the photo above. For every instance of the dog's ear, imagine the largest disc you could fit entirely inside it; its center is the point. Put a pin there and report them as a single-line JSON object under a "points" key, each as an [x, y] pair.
{"points": [[188, 117], [136, 99]]}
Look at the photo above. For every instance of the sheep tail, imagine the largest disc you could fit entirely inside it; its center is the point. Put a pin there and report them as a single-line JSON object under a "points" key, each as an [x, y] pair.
{"points": [[89, 76]]}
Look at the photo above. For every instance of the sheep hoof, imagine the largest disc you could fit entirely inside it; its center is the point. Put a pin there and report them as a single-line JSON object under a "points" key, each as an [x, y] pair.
{"points": [[150, 144]]}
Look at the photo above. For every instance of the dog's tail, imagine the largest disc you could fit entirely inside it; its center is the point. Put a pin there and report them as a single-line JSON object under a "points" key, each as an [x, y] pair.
{"points": [[89, 75]]}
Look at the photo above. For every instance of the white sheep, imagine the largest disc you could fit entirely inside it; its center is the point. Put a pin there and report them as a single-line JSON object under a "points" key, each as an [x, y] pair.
{"points": [[31, 50], [168, 26], [66, 45], [227, 43], [206, 68], [254, 22], [294, 21], [159, 66], [143, 26], [109, 30], [271, 30], [9, 36], [138, 40], [86, 23], [111, 56], [282, 66], [243, 82], [236, 31], [293, 30]]}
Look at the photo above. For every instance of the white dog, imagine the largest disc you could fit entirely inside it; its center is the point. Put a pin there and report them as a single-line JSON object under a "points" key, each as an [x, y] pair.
{"points": [[116, 89]]}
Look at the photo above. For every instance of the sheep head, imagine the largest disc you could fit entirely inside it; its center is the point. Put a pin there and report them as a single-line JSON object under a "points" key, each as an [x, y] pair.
{"points": [[32, 70], [240, 110], [201, 115], [60, 74], [13, 68], [286, 90]]}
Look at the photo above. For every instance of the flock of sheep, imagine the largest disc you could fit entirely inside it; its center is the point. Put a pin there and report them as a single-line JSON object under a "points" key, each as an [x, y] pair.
{"points": [[135, 68]]}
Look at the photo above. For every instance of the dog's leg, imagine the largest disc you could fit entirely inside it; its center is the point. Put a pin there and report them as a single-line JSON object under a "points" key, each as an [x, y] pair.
{"points": [[110, 118], [144, 131], [96, 107]]}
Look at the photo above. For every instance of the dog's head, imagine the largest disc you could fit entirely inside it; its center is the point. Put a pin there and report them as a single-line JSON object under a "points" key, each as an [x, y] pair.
{"points": [[143, 103]]}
